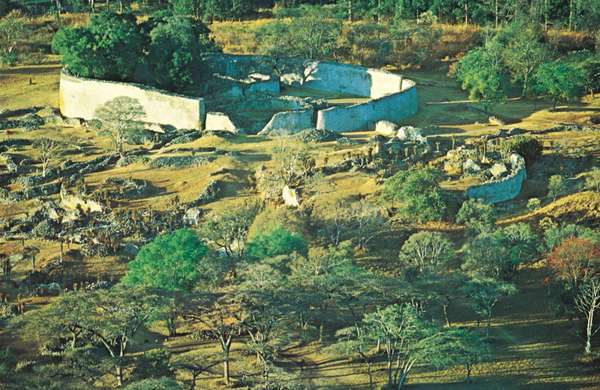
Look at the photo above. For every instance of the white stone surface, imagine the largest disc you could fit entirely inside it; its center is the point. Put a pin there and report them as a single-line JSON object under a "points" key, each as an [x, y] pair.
{"points": [[220, 121], [386, 128], [290, 197], [410, 133], [79, 98], [289, 122]]}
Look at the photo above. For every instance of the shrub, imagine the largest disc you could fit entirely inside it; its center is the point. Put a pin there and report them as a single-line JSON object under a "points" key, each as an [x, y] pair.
{"points": [[561, 81], [418, 193], [524, 145], [533, 204], [477, 216], [275, 242], [556, 186]]}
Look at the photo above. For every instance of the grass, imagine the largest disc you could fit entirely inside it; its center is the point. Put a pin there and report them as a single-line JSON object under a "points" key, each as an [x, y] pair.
{"points": [[532, 347]]}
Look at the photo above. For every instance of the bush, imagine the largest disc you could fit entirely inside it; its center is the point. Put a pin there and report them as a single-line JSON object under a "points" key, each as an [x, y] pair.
{"points": [[477, 216], [556, 186], [526, 146], [172, 262], [561, 81], [533, 204], [418, 194], [276, 241]]}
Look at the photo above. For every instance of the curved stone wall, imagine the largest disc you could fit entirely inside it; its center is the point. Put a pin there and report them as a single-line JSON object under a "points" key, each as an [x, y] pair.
{"points": [[504, 189], [80, 97]]}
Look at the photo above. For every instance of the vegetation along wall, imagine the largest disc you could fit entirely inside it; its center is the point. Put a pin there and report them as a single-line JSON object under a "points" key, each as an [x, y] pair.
{"points": [[504, 189], [80, 98]]}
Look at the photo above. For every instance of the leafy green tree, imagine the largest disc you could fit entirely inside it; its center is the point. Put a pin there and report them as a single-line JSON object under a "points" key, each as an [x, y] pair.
{"points": [[465, 347], [481, 72], [121, 118], [487, 256], [417, 192], [276, 241], [229, 230], [110, 47], [523, 52], [485, 294], [172, 262], [426, 253], [477, 216], [562, 82], [108, 318], [556, 234], [522, 243], [13, 30], [556, 186], [176, 45]]}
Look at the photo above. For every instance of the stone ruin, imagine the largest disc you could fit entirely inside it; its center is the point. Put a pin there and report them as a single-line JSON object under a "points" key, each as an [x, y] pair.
{"points": [[260, 95]]}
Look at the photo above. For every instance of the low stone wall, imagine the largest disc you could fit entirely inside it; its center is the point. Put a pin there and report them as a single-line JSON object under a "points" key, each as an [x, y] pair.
{"points": [[80, 97], [289, 122], [363, 116], [504, 189]]}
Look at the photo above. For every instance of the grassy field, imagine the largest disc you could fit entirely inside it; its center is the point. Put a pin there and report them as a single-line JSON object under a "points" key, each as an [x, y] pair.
{"points": [[532, 348]]}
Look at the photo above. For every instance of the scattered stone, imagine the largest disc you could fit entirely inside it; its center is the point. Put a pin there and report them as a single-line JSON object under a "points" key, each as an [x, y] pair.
{"points": [[128, 188], [180, 161], [210, 193], [290, 197], [386, 128], [185, 138], [345, 141], [193, 215], [471, 166], [410, 133], [498, 170], [317, 135]]}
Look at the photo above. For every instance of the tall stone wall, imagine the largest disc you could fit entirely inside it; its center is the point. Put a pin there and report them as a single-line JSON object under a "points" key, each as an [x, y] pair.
{"points": [[363, 116], [504, 189], [354, 80], [79, 98]]}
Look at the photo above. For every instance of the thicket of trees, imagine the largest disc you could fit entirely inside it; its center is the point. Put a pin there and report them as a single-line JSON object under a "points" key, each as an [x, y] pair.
{"points": [[165, 50]]}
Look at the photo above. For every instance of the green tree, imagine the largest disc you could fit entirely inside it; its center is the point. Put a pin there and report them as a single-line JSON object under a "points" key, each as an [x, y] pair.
{"points": [[426, 253], [110, 47], [13, 30], [556, 234], [556, 186], [174, 53], [481, 72], [524, 52], [121, 119], [417, 192], [562, 82], [172, 262], [276, 241], [108, 318], [592, 180], [477, 216], [485, 294]]}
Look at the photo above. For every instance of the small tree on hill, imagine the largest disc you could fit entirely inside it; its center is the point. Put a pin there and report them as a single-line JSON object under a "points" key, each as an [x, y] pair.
{"points": [[575, 261], [556, 186], [12, 31], [426, 253], [48, 149], [481, 72], [417, 192], [121, 119], [485, 294], [562, 82], [276, 241], [173, 262], [477, 216]]}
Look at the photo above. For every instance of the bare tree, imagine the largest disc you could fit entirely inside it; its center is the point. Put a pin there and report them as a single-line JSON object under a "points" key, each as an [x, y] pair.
{"points": [[121, 119], [587, 302], [48, 149]]}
